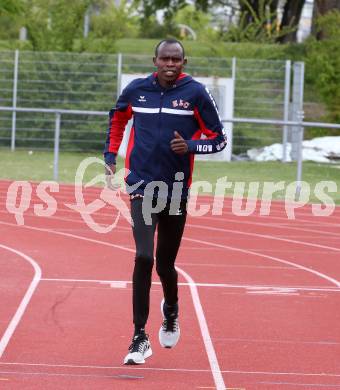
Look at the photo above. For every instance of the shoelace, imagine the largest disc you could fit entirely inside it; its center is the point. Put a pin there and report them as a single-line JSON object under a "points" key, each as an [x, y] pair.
{"points": [[138, 344], [170, 325]]}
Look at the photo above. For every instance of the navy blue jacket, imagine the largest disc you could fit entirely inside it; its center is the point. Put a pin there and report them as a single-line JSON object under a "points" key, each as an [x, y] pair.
{"points": [[187, 107]]}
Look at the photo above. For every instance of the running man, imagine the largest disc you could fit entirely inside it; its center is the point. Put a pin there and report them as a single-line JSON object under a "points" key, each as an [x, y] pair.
{"points": [[170, 112]]}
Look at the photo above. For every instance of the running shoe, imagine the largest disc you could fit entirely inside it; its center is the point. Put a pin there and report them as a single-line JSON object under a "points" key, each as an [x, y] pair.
{"points": [[169, 332], [139, 350]]}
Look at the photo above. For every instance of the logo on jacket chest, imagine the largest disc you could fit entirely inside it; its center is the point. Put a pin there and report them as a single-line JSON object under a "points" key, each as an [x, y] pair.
{"points": [[180, 103], [142, 99]]}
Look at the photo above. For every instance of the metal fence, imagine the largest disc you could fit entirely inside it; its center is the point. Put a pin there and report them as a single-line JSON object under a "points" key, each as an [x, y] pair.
{"points": [[86, 81], [55, 80], [262, 90], [298, 124]]}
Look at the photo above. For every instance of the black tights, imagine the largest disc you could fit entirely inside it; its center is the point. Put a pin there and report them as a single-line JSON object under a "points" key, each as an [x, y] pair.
{"points": [[170, 231]]}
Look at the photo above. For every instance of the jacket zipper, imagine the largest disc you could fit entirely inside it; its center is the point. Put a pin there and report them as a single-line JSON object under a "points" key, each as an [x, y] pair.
{"points": [[160, 134], [160, 111]]}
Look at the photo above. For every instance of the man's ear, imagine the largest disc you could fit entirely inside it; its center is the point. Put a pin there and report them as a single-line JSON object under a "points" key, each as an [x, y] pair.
{"points": [[154, 61], [185, 61]]}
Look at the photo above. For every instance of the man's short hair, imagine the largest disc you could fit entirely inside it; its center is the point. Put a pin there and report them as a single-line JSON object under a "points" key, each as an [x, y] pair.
{"points": [[168, 41]]}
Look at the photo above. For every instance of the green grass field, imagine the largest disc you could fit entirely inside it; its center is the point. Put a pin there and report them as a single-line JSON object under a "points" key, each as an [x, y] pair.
{"points": [[199, 48], [37, 166]]}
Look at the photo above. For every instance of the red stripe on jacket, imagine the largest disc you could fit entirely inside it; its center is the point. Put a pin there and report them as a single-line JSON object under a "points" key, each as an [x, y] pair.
{"points": [[118, 123], [197, 135], [207, 132], [129, 148]]}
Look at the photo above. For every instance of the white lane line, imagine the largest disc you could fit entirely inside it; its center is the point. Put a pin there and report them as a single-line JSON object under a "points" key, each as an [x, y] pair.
{"points": [[103, 215], [273, 225], [130, 377], [64, 374], [319, 274], [308, 213], [118, 284], [262, 236], [148, 368], [214, 265], [68, 189], [278, 214], [226, 230], [269, 341], [25, 301], [218, 378], [215, 368], [124, 283], [272, 291], [194, 226], [73, 220], [318, 386], [128, 229], [220, 218]]}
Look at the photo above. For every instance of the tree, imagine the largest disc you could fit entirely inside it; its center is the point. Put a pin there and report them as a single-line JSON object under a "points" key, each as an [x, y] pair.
{"points": [[170, 7], [255, 12], [322, 7], [323, 62], [291, 17], [11, 7], [54, 24], [258, 19], [197, 20], [254, 9], [10, 11], [121, 17], [258, 22]]}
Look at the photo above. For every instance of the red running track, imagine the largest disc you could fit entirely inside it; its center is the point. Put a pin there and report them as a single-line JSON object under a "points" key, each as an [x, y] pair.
{"points": [[259, 301]]}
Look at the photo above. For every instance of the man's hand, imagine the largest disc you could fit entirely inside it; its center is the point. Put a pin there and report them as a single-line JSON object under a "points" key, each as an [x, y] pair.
{"points": [[178, 144], [110, 170]]}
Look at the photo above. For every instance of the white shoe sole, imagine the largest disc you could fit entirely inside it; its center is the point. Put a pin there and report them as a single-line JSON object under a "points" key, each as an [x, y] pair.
{"points": [[136, 358]]}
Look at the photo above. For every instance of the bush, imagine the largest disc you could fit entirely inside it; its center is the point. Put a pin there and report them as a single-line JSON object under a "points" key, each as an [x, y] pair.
{"points": [[50, 28], [198, 21], [323, 63], [114, 23]]}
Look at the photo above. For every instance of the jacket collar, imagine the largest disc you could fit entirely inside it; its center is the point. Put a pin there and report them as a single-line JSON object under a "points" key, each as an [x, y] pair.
{"points": [[183, 78]]}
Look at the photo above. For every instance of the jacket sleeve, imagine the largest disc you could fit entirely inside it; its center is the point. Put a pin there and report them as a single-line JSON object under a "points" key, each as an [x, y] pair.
{"points": [[207, 116], [118, 118]]}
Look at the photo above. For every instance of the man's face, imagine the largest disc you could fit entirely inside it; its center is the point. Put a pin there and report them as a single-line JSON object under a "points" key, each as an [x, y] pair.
{"points": [[169, 63]]}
